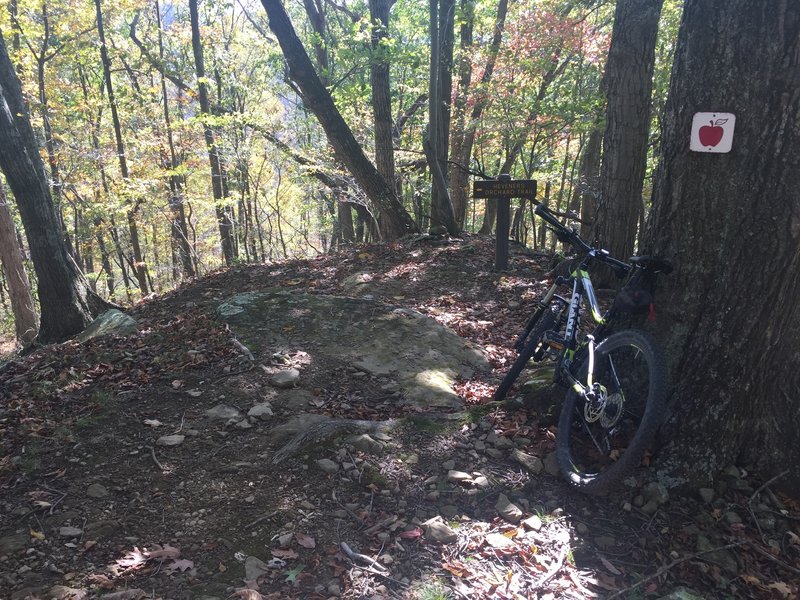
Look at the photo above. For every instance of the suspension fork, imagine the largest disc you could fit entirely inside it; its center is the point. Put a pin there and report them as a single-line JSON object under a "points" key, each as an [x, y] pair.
{"points": [[542, 305]]}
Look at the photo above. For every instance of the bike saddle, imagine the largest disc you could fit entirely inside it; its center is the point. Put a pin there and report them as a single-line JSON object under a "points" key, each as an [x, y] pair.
{"points": [[652, 263]]}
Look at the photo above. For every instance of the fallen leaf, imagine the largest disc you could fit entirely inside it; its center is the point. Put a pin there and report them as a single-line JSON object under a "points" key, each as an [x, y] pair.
{"points": [[291, 576], [180, 566], [611, 568], [37, 534], [306, 541], [165, 552], [281, 553], [101, 581], [153, 423], [780, 587], [410, 534]]}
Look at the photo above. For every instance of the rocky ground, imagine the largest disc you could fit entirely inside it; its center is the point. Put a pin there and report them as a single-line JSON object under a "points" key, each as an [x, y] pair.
{"points": [[305, 453]]}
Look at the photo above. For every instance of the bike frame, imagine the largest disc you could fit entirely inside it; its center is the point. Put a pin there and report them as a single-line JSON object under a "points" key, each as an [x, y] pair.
{"points": [[568, 346]]}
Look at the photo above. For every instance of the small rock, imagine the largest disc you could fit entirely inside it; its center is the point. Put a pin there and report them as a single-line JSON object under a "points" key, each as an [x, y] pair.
{"points": [[507, 509], [439, 531], [70, 532], [724, 558], [62, 592], [285, 379], [481, 481], [582, 528], [13, 543], [223, 412], [448, 465], [170, 440], [244, 424], [254, 568], [732, 518], [97, 490], [551, 464], [328, 466], [650, 507], [656, 491], [533, 463], [458, 477], [366, 443], [533, 522], [262, 411], [498, 540], [494, 453], [106, 528], [707, 494]]}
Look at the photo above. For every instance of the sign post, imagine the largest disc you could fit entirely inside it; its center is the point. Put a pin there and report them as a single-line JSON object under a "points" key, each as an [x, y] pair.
{"points": [[503, 189]]}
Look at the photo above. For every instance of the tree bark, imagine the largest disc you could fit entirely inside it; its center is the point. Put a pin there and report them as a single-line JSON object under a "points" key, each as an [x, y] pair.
{"points": [[65, 308], [218, 183], [346, 148], [442, 15], [381, 91], [628, 86], [130, 213], [179, 230], [19, 287], [464, 135], [730, 222]]}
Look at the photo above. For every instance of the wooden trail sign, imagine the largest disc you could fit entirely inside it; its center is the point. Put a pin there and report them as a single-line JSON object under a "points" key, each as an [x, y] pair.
{"points": [[503, 189]]}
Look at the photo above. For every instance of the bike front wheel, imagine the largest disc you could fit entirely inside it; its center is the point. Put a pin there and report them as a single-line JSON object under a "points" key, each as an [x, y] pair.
{"points": [[546, 322], [600, 441]]}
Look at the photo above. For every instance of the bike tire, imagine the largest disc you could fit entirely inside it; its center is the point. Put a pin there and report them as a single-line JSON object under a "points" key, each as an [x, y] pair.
{"points": [[546, 322], [630, 417]]}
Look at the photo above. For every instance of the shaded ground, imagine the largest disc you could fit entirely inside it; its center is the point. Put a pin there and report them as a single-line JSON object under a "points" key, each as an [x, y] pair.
{"points": [[433, 505]]}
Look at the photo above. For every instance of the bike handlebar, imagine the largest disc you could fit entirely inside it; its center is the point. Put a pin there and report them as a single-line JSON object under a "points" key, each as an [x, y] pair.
{"points": [[570, 236]]}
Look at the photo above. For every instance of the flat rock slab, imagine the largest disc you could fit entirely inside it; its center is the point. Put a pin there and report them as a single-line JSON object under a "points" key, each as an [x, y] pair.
{"points": [[111, 322], [422, 356]]}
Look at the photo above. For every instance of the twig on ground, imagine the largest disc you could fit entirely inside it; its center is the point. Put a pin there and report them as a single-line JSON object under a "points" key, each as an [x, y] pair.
{"points": [[668, 567], [155, 459], [362, 558], [775, 559], [555, 568], [240, 346], [766, 484], [261, 518]]}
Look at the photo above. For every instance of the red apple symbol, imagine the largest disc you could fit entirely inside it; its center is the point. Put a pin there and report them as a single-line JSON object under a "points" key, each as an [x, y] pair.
{"points": [[710, 135]]}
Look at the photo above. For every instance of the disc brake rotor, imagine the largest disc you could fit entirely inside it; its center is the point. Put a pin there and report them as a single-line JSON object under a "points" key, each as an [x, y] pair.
{"points": [[612, 410]]}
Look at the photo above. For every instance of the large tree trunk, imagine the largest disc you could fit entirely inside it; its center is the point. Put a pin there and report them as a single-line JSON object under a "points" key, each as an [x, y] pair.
{"points": [[731, 223], [381, 91], [439, 91], [218, 184], [316, 97], [19, 288], [62, 293], [628, 86]]}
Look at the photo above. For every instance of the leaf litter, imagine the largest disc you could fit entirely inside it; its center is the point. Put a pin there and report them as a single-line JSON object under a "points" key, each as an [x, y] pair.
{"points": [[73, 413]]}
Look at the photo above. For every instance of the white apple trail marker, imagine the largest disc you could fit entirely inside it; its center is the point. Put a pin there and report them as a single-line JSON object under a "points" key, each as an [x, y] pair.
{"points": [[712, 132]]}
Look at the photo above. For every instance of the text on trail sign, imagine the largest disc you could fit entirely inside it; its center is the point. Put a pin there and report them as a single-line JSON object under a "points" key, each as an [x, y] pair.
{"points": [[712, 132], [510, 188]]}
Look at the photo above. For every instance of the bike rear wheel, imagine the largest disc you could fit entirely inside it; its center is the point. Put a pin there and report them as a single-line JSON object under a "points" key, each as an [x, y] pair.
{"points": [[599, 443], [546, 322]]}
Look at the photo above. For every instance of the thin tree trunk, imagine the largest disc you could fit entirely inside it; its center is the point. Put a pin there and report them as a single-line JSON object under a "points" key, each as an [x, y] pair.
{"points": [[218, 184], [130, 214], [19, 287], [178, 229], [346, 147]]}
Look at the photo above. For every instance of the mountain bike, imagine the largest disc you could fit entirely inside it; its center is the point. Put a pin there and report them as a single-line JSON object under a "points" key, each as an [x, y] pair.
{"points": [[616, 380]]}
